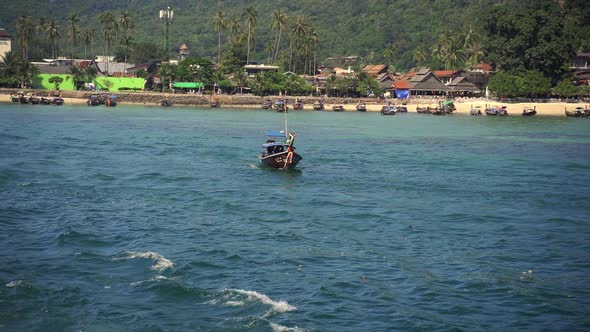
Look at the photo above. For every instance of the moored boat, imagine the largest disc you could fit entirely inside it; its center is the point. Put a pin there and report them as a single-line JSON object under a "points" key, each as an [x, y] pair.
{"points": [[111, 101], [46, 100], [267, 104], [578, 112], [281, 106], [529, 111], [215, 103], [57, 101], [401, 108], [423, 110], [338, 108], [361, 107], [298, 106], [388, 110], [475, 110], [33, 99], [318, 106], [495, 111], [166, 102], [95, 100], [16, 97]]}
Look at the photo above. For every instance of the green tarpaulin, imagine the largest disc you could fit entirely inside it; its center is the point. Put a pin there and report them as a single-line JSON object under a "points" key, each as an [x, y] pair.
{"points": [[187, 85]]}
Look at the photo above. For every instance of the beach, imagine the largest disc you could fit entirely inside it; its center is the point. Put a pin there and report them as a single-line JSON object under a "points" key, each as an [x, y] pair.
{"points": [[373, 105]]}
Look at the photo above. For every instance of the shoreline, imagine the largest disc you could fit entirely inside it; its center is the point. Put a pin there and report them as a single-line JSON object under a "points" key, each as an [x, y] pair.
{"points": [[254, 102]]}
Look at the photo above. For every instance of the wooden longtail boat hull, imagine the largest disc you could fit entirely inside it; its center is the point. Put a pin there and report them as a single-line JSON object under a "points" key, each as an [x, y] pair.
{"points": [[278, 160]]}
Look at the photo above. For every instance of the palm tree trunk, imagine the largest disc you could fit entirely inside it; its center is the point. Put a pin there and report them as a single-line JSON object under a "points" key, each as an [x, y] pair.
{"points": [[278, 46], [219, 46]]}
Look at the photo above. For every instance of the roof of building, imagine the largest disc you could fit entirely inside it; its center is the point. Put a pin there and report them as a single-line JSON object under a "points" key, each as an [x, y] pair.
{"points": [[462, 84], [425, 80], [46, 68], [4, 33], [375, 70], [114, 67], [446, 73], [401, 85]]}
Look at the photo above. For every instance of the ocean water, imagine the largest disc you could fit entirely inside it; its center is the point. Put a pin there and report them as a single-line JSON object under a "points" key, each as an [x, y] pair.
{"points": [[149, 219]]}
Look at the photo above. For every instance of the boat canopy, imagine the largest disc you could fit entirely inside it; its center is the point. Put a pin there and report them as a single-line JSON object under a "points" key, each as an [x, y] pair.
{"points": [[187, 85]]}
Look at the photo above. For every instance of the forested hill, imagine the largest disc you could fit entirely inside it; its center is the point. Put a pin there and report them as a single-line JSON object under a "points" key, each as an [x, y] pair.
{"points": [[365, 28]]}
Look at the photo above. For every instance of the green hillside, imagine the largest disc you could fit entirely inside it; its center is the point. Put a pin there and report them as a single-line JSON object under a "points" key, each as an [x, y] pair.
{"points": [[376, 30]]}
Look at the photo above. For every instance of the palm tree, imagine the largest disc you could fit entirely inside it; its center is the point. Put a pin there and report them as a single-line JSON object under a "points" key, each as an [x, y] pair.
{"points": [[127, 43], [474, 52], [315, 40], [108, 32], [87, 36], [73, 33], [241, 78], [53, 34], [390, 53], [219, 24], [90, 72], [279, 22], [250, 17], [24, 30], [419, 56], [235, 30], [124, 23], [298, 33], [77, 75]]}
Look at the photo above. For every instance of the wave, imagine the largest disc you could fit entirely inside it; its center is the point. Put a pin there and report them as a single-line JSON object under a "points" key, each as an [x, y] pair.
{"points": [[278, 306], [280, 328], [15, 284], [162, 263]]}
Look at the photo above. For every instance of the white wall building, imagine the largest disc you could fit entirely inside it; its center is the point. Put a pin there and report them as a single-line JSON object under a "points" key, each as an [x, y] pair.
{"points": [[5, 42]]}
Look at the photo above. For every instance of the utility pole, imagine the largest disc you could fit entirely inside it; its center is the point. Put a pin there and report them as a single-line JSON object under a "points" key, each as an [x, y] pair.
{"points": [[167, 16]]}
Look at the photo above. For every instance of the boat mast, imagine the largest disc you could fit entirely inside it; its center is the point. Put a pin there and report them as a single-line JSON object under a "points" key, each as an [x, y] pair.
{"points": [[286, 129]]}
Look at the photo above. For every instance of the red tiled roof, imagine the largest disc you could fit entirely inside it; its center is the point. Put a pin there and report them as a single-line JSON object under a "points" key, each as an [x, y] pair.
{"points": [[445, 73], [404, 85]]}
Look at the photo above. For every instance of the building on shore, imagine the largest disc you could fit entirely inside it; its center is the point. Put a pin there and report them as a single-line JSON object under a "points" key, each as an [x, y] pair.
{"points": [[252, 70], [5, 42], [183, 52]]}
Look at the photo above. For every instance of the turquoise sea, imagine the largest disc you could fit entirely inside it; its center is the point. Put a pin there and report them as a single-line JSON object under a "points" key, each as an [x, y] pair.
{"points": [[149, 219]]}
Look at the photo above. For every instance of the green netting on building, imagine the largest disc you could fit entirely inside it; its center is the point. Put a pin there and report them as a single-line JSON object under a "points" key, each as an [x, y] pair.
{"points": [[187, 85]]}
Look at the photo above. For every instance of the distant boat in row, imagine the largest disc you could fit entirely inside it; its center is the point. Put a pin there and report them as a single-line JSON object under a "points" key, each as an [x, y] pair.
{"points": [[578, 112], [318, 106], [529, 111], [496, 111], [102, 99], [33, 99]]}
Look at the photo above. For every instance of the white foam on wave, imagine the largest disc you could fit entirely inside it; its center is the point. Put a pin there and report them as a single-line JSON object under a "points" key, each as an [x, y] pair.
{"points": [[156, 278], [234, 303], [281, 328], [14, 283], [278, 306], [162, 263]]}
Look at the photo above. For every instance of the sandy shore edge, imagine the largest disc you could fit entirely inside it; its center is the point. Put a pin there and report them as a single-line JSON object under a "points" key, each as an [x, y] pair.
{"points": [[463, 107]]}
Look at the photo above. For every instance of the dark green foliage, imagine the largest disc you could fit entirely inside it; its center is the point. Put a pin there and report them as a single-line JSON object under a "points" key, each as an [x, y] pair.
{"points": [[16, 72], [565, 88], [195, 70], [56, 80], [144, 51], [521, 35], [504, 84], [521, 39]]}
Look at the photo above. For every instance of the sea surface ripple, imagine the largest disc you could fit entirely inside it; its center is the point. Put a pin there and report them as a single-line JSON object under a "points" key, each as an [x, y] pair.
{"points": [[150, 219]]}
